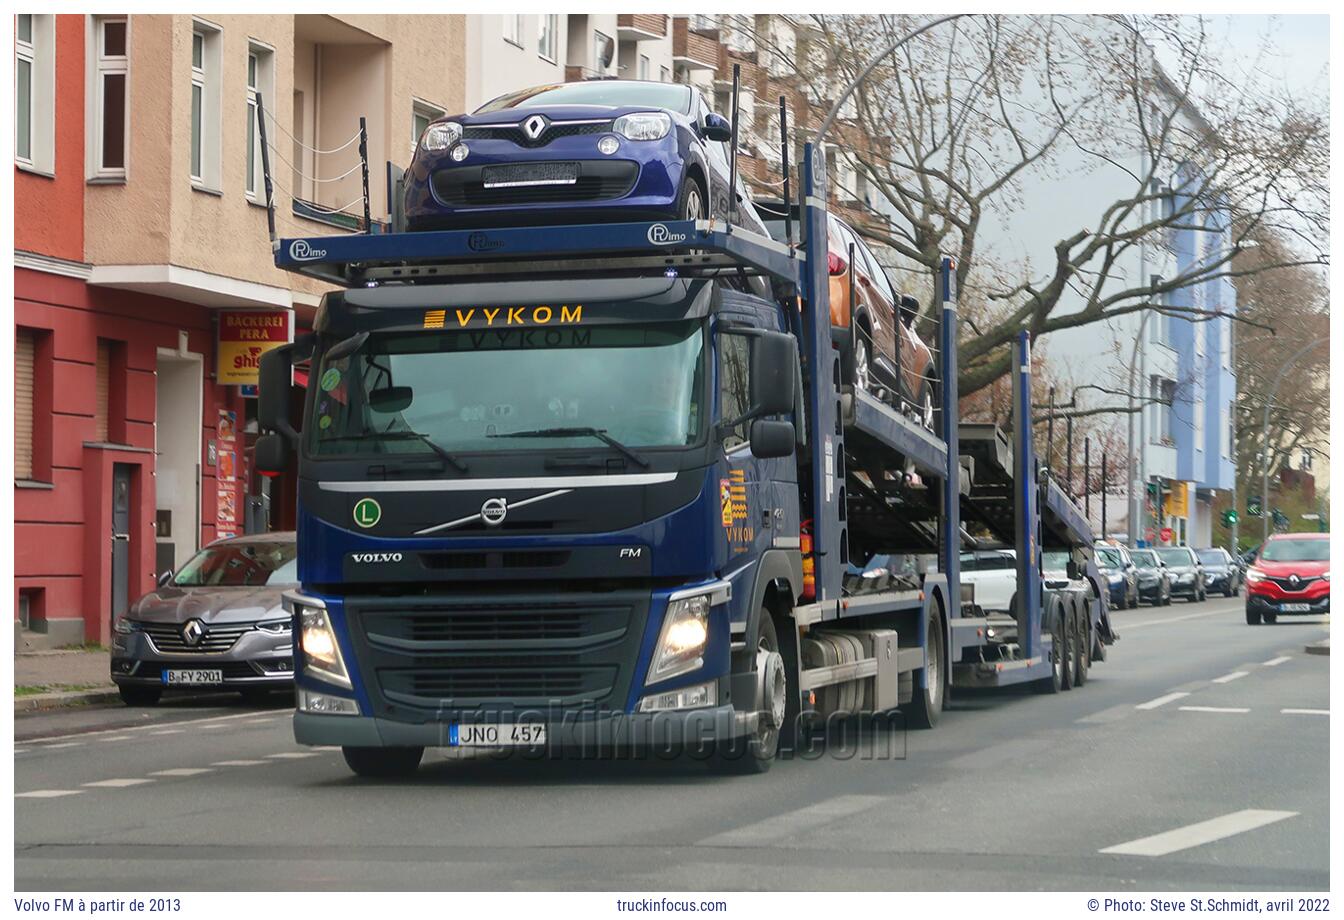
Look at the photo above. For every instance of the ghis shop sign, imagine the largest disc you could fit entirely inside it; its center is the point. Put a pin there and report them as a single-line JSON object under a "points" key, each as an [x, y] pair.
{"points": [[243, 337]]}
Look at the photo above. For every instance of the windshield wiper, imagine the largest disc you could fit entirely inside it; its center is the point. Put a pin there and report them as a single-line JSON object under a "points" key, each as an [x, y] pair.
{"points": [[599, 433], [404, 435]]}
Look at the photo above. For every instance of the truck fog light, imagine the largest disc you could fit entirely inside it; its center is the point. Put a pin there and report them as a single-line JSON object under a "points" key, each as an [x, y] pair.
{"points": [[460, 153], [608, 145], [326, 704], [696, 697]]}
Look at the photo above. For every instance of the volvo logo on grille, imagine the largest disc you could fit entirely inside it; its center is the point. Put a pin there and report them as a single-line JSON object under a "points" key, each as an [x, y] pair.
{"points": [[376, 557], [534, 126], [494, 511], [192, 632]]}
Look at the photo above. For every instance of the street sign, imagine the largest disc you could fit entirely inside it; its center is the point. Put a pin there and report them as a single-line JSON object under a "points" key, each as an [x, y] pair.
{"points": [[1253, 505]]}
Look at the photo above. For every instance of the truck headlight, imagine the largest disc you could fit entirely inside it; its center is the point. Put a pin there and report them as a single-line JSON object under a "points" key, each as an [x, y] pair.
{"points": [[441, 136], [321, 651], [643, 126], [682, 641]]}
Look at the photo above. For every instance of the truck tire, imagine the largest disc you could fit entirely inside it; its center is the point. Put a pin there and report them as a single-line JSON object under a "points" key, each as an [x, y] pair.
{"points": [[383, 763], [927, 704], [753, 754], [1054, 683], [1082, 648], [133, 695], [1070, 641]]}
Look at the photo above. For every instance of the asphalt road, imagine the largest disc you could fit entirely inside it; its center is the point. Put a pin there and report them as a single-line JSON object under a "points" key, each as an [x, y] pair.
{"points": [[1197, 755]]}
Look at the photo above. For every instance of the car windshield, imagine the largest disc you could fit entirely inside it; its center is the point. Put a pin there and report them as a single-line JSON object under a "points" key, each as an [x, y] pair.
{"points": [[1110, 559], [1177, 555], [1212, 557], [1144, 558], [673, 97], [238, 565], [1296, 551], [1055, 560], [468, 390]]}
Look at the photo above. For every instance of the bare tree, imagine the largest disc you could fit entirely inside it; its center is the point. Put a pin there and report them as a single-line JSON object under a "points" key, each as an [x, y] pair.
{"points": [[972, 122]]}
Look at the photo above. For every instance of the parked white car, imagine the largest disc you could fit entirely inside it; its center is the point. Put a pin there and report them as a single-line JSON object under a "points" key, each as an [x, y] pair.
{"points": [[994, 574]]}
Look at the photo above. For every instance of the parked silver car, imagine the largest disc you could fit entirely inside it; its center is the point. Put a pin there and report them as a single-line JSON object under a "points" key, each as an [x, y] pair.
{"points": [[217, 623]]}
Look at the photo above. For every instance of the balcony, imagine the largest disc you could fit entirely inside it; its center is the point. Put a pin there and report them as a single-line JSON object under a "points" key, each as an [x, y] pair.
{"points": [[638, 27], [694, 49]]}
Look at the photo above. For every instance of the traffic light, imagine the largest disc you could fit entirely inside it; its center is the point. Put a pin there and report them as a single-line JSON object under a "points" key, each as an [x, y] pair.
{"points": [[1229, 517]]}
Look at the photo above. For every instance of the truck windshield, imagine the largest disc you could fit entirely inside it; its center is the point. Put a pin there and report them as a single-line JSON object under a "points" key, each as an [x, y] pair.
{"points": [[460, 391]]}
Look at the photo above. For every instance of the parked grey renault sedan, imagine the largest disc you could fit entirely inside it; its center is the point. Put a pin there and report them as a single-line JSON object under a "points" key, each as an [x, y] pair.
{"points": [[216, 623]]}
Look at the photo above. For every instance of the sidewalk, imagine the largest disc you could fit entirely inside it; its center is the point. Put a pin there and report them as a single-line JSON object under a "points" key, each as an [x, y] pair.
{"points": [[45, 680]]}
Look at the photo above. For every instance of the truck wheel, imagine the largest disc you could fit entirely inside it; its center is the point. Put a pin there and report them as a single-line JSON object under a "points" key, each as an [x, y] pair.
{"points": [[754, 753], [133, 695], [383, 763], [927, 704], [1082, 647], [1055, 682], [1070, 641]]}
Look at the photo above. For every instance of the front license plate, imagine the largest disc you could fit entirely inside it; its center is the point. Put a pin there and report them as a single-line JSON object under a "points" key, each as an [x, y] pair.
{"points": [[1295, 608], [497, 734], [194, 676], [519, 175]]}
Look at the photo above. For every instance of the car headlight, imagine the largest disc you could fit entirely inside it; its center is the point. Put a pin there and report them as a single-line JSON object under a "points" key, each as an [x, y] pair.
{"points": [[643, 126], [441, 135], [1253, 576], [1325, 576], [1116, 579], [276, 627], [123, 626], [682, 641], [321, 652]]}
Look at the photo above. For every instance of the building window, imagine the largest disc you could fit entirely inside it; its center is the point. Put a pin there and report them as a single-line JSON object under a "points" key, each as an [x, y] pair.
{"points": [[603, 51], [260, 79], [35, 93], [665, 74], [1162, 393], [1225, 340], [1159, 324], [205, 42], [25, 349], [111, 76], [548, 37], [1197, 410], [645, 68], [513, 30], [422, 113], [1201, 335]]}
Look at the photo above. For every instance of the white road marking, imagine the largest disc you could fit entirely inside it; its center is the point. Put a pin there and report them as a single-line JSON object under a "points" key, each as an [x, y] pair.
{"points": [[1162, 700], [20, 750], [97, 735], [237, 763], [67, 744], [1213, 709], [258, 721], [1193, 835], [116, 738], [181, 771], [1305, 712], [116, 783], [167, 731], [780, 827], [1228, 678], [47, 793], [292, 755], [1165, 620], [1275, 661]]}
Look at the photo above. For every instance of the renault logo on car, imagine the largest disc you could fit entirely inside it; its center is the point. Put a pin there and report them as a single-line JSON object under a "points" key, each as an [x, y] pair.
{"points": [[534, 126], [494, 511], [192, 631], [1293, 580]]}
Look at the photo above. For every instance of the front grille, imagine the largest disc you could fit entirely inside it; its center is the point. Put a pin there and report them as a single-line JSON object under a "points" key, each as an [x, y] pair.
{"points": [[515, 133], [491, 650], [1287, 585], [600, 181], [167, 637], [512, 559]]}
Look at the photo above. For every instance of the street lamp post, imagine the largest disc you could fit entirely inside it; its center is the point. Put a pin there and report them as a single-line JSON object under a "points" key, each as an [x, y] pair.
{"points": [[1264, 435]]}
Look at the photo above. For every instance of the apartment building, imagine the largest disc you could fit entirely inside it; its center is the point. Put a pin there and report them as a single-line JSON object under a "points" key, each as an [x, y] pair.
{"points": [[144, 286]]}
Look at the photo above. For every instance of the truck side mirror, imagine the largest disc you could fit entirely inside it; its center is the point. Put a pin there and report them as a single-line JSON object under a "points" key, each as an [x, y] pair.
{"points": [[717, 128], [771, 438], [271, 455], [773, 358], [1073, 570], [273, 378]]}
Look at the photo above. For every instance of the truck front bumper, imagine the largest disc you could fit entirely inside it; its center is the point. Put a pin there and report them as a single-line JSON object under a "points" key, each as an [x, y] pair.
{"points": [[594, 733]]}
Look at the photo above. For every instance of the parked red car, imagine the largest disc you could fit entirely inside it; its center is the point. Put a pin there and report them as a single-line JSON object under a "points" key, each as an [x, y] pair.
{"points": [[1290, 576]]}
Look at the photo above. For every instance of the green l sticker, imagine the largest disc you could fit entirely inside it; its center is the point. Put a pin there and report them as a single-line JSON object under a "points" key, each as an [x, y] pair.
{"points": [[367, 512]]}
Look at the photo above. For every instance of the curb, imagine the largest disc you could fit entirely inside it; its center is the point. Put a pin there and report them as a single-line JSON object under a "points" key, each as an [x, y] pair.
{"points": [[41, 701], [1318, 648]]}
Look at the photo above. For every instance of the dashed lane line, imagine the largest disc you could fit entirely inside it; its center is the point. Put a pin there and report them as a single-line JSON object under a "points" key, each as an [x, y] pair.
{"points": [[1194, 835], [117, 783], [292, 755], [168, 731], [114, 738], [1305, 712], [1164, 620], [1163, 700], [181, 771], [66, 744], [1277, 661], [237, 763], [48, 793], [1228, 678], [1226, 709]]}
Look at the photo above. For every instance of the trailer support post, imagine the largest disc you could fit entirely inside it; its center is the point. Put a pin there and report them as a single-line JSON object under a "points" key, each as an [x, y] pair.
{"points": [[950, 544], [1025, 501]]}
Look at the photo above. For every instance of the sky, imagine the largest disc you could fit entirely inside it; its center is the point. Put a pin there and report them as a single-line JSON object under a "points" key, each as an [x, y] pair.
{"points": [[1299, 50]]}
